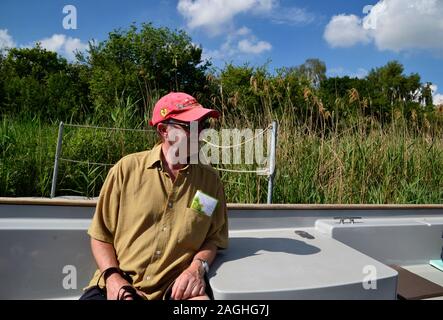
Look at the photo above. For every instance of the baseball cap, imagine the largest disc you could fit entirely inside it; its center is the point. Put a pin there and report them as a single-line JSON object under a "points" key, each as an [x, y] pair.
{"points": [[180, 106]]}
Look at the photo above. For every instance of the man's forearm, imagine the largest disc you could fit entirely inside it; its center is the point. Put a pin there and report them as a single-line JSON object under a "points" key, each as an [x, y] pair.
{"points": [[105, 257], [104, 254], [207, 252]]}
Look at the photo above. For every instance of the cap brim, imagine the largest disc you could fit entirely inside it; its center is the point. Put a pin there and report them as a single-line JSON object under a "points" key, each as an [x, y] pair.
{"points": [[195, 114]]}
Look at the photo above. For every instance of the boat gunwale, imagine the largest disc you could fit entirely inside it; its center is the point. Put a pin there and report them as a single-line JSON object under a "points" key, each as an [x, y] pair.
{"points": [[231, 206]]}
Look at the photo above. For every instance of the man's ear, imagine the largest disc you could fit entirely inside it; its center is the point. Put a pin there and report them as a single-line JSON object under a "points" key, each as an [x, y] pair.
{"points": [[162, 131]]}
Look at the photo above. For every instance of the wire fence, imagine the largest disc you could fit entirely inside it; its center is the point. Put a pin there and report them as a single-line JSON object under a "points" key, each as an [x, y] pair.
{"points": [[269, 171]]}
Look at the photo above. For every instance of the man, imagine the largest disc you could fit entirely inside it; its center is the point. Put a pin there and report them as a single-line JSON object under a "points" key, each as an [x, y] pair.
{"points": [[159, 220]]}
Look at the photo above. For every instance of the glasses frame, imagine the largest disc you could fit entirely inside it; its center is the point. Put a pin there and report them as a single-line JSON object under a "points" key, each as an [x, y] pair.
{"points": [[202, 124]]}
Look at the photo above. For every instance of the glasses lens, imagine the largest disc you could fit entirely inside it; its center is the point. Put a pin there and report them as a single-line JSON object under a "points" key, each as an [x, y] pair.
{"points": [[205, 124], [183, 125], [202, 125]]}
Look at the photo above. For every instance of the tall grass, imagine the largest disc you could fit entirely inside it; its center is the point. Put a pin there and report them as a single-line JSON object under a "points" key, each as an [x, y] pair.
{"points": [[320, 159], [95, 151], [380, 167], [327, 159], [26, 164]]}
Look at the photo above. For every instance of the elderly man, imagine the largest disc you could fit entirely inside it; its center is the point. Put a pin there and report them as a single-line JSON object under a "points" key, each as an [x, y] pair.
{"points": [[160, 218]]}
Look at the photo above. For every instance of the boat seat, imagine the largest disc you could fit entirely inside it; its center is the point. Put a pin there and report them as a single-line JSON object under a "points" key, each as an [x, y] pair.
{"points": [[411, 286]]}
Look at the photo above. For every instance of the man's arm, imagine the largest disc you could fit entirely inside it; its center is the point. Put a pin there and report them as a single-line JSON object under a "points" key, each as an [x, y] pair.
{"points": [[105, 257], [191, 282], [207, 253], [104, 254]]}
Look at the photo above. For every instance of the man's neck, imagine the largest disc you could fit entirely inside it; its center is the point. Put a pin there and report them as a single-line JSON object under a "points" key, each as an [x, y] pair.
{"points": [[172, 169]]}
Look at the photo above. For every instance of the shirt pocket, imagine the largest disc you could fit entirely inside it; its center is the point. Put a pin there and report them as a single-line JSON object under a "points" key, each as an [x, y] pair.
{"points": [[193, 230]]}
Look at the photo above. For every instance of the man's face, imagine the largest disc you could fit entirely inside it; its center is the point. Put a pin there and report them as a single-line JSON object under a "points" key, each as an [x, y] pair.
{"points": [[183, 137]]}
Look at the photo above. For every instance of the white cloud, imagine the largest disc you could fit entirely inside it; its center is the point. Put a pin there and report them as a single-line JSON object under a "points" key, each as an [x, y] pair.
{"points": [[243, 31], [407, 24], [65, 46], [54, 43], [341, 72], [216, 15], [437, 97], [60, 43], [360, 73], [228, 48], [292, 16], [396, 25], [238, 42], [6, 40], [209, 54], [74, 44], [346, 31], [248, 46]]}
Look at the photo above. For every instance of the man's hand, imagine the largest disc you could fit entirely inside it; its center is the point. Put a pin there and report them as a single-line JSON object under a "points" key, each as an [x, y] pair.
{"points": [[113, 285], [190, 283]]}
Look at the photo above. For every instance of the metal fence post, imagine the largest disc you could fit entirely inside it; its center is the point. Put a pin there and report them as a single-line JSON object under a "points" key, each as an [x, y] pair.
{"points": [[272, 161], [57, 156]]}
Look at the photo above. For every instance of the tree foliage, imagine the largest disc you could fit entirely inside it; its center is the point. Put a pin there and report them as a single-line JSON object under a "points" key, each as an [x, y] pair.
{"points": [[143, 65], [127, 73], [35, 82]]}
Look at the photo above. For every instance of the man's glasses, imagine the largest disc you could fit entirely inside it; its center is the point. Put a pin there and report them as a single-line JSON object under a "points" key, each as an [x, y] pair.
{"points": [[202, 125]]}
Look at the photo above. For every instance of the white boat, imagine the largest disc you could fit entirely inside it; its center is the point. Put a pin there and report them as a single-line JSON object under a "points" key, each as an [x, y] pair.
{"points": [[276, 251]]}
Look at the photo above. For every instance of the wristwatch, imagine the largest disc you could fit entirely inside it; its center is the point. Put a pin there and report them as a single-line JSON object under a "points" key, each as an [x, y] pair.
{"points": [[204, 264]]}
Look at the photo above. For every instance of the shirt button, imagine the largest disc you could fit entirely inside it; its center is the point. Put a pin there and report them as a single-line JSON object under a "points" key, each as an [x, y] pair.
{"points": [[164, 228], [158, 252], [170, 204], [148, 278]]}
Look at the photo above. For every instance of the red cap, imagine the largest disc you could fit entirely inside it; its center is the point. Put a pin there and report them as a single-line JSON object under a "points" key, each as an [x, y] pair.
{"points": [[180, 106]]}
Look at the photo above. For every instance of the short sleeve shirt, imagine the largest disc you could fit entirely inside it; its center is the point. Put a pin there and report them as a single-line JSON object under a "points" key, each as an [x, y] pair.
{"points": [[149, 220]]}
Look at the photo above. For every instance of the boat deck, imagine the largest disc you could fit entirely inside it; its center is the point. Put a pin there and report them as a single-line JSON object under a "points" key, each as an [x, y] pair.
{"points": [[276, 252], [283, 264]]}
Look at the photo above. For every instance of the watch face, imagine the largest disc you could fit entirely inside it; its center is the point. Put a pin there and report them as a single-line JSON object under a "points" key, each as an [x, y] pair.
{"points": [[206, 266]]}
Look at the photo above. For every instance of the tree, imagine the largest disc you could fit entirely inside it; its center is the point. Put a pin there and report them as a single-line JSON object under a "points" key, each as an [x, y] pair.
{"points": [[2, 76], [390, 84], [314, 70], [389, 88], [243, 88], [37, 82], [143, 64], [426, 95]]}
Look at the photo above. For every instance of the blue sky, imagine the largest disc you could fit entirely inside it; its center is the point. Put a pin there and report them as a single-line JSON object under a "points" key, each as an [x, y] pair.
{"points": [[350, 37]]}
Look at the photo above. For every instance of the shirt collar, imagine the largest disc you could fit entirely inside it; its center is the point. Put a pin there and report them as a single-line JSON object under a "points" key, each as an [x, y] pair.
{"points": [[154, 159]]}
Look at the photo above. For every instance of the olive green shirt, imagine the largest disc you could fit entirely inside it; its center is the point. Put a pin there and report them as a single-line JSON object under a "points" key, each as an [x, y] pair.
{"points": [[150, 222]]}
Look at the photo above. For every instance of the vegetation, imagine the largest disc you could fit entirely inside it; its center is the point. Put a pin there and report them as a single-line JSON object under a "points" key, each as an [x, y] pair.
{"points": [[341, 140]]}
